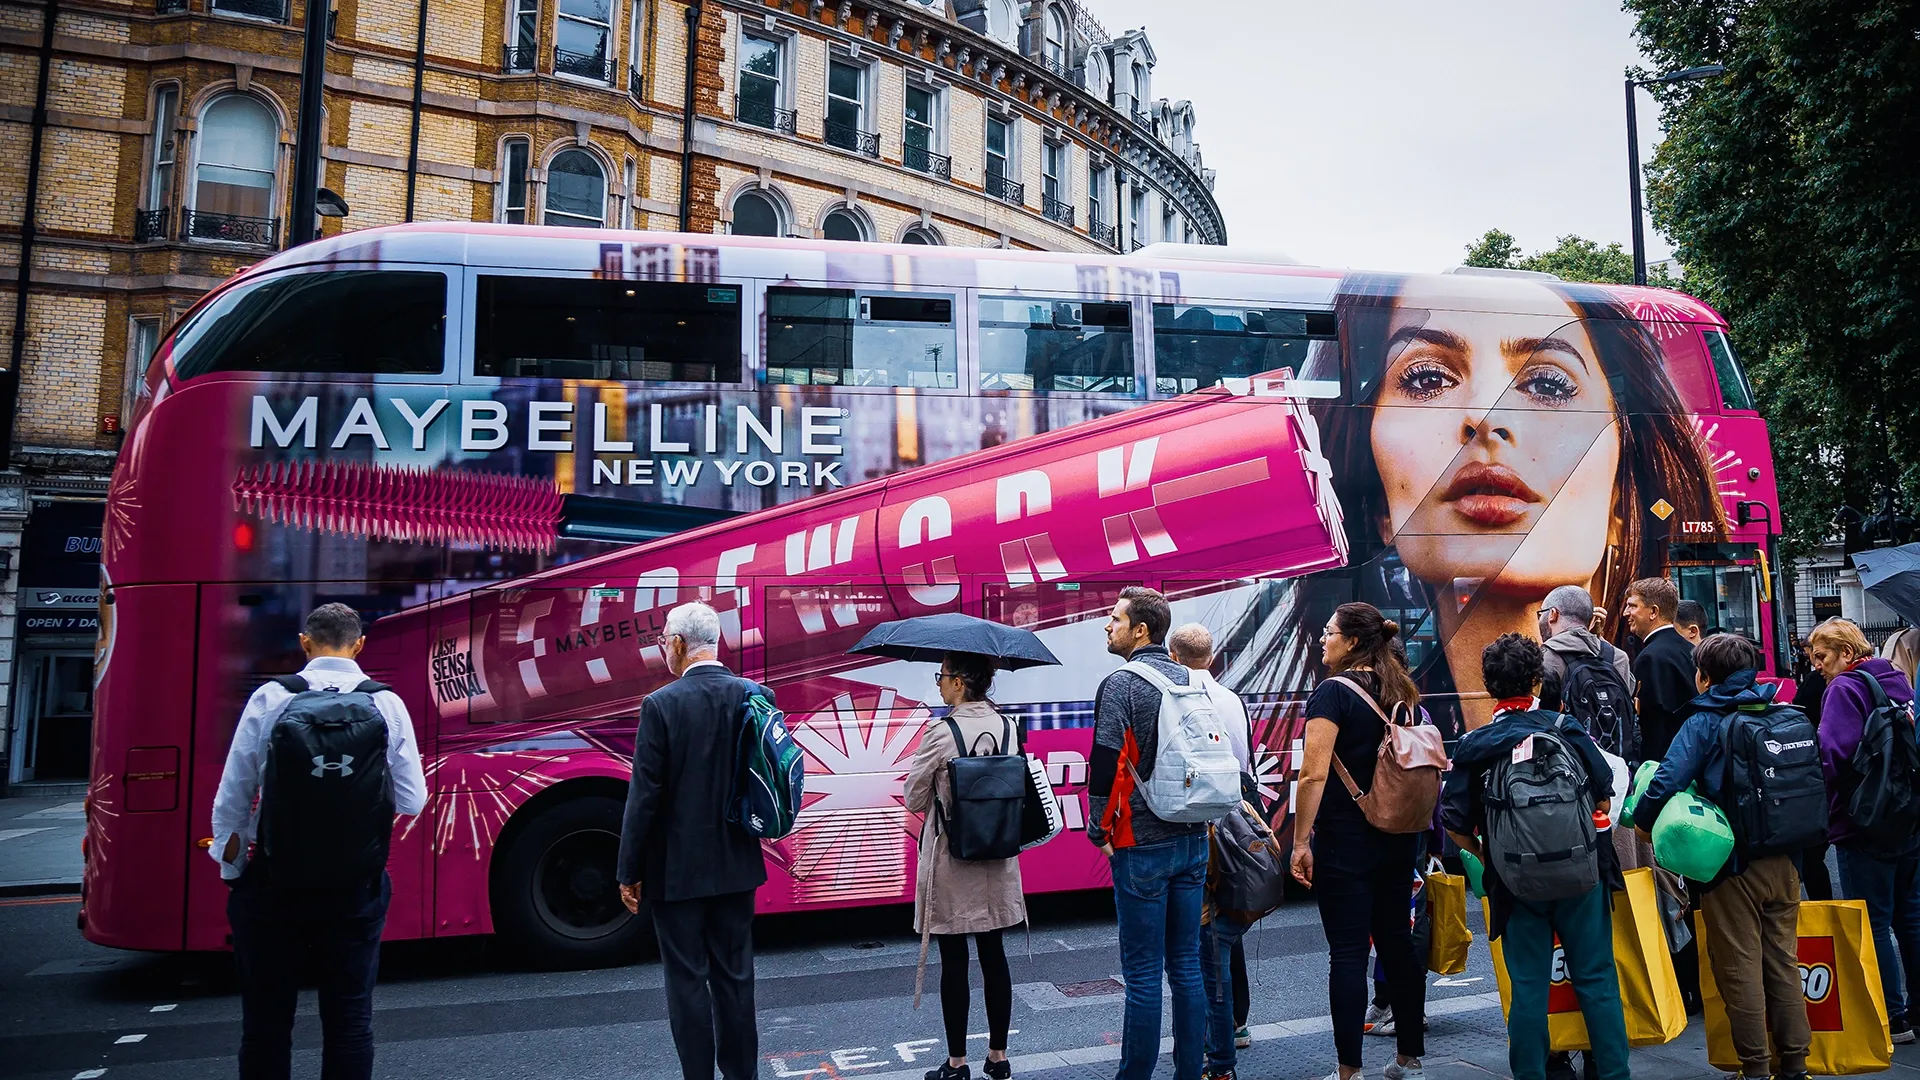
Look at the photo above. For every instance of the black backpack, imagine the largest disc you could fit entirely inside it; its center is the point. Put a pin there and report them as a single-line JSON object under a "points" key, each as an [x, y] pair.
{"points": [[1773, 791], [1593, 693], [989, 793], [1880, 787], [1540, 835], [326, 811]]}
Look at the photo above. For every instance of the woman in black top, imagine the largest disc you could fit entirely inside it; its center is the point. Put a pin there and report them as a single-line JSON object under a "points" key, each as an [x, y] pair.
{"points": [[1359, 875]]}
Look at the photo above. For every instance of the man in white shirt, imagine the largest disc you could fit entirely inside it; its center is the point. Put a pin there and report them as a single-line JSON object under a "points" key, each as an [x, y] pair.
{"points": [[1192, 646], [297, 886]]}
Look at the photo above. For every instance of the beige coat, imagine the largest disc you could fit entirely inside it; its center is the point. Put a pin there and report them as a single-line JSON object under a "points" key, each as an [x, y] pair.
{"points": [[955, 897]]}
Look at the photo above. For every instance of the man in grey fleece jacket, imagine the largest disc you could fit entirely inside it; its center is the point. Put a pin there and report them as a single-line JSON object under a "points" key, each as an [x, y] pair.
{"points": [[1159, 867]]}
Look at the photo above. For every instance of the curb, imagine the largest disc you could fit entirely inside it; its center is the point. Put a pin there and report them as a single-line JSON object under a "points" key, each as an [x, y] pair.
{"points": [[39, 888]]}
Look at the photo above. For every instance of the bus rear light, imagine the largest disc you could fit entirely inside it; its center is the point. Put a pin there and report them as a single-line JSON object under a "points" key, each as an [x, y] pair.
{"points": [[420, 506]]}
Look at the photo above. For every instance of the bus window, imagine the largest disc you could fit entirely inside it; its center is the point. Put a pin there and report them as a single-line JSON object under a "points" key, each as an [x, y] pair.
{"points": [[1029, 344], [1730, 595], [840, 337], [336, 322], [1196, 346], [1734, 392], [592, 328]]}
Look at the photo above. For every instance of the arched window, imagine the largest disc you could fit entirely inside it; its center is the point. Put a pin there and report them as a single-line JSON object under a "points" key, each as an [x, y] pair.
{"points": [[234, 175], [842, 225], [1139, 86], [576, 191], [920, 234], [1056, 40], [1002, 23], [754, 214]]}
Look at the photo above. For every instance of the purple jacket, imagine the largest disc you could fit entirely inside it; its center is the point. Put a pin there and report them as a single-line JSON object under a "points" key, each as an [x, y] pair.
{"points": [[1843, 719]]}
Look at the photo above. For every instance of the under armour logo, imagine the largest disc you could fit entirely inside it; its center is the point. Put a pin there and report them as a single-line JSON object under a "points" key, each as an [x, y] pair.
{"points": [[321, 766]]}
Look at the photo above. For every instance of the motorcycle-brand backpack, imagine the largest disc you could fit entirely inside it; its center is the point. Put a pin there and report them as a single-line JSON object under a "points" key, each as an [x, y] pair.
{"points": [[1880, 787], [984, 816], [1195, 775], [326, 809], [1774, 793], [1540, 834], [1593, 693], [769, 772]]}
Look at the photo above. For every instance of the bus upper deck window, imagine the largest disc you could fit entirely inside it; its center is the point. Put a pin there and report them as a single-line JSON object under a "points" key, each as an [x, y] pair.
{"points": [[1734, 392], [593, 328], [844, 337], [1040, 344], [1196, 346], [351, 322]]}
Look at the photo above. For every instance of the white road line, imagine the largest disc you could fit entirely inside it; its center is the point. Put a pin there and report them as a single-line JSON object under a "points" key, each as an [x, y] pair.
{"points": [[1091, 1055], [163, 1008], [15, 834], [89, 1074], [125, 1039]]}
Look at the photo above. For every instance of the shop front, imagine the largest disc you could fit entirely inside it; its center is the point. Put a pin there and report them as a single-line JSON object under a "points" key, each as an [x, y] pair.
{"points": [[59, 605]]}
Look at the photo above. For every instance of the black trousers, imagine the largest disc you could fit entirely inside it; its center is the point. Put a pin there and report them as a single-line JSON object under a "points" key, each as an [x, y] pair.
{"points": [[956, 997], [1363, 881], [275, 933], [706, 951]]}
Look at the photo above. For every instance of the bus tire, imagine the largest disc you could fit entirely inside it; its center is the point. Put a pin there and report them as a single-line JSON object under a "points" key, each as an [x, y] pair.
{"points": [[555, 900]]}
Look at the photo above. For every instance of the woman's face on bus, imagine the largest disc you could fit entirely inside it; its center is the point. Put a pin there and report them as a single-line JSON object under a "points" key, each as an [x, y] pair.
{"points": [[1495, 439]]}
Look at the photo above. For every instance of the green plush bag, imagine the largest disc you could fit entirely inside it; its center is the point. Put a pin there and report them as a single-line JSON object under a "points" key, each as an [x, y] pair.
{"points": [[1692, 837], [1641, 778]]}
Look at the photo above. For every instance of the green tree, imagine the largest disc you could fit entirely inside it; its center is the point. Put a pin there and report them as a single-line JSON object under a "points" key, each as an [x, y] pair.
{"points": [[1494, 251], [1789, 186], [1573, 258]]}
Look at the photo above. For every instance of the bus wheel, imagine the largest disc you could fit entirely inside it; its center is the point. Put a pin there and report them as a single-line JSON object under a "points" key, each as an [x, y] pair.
{"points": [[554, 894]]}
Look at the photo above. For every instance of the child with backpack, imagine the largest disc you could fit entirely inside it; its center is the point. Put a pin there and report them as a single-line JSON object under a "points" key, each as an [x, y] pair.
{"points": [[1869, 758], [957, 897], [1523, 797], [1751, 757]]}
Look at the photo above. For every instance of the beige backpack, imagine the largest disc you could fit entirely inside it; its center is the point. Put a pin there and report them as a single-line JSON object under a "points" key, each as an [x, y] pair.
{"points": [[1406, 778]]}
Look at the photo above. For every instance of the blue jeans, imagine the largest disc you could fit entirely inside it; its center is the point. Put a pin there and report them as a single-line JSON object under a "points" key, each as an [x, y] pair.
{"points": [[1157, 889], [1891, 888], [1218, 940], [1585, 927]]}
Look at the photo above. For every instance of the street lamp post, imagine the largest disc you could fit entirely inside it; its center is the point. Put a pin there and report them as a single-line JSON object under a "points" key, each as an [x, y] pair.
{"points": [[1705, 71]]}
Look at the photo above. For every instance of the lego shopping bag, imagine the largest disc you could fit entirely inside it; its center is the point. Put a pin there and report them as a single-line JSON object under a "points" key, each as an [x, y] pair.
{"points": [[1447, 912], [1649, 992], [1840, 976]]}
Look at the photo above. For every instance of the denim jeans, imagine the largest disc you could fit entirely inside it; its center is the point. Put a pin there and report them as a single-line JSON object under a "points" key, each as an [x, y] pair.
{"points": [[275, 931], [1158, 890], [1891, 888], [1219, 940], [1585, 928]]}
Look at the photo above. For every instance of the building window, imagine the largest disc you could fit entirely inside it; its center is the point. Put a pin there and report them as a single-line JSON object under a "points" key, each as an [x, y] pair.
{"points": [[234, 174], [1139, 87], [847, 108], [513, 183], [921, 234], [1136, 215], [756, 214], [143, 337], [843, 224], [631, 179], [1097, 197], [634, 37], [523, 36], [762, 69], [258, 9], [1169, 225], [576, 191], [1002, 21], [1056, 49], [1053, 184], [581, 40], [1029, 344], [841, 337], [583, 328], [166, 101], [921, 133], [1000, 158]]}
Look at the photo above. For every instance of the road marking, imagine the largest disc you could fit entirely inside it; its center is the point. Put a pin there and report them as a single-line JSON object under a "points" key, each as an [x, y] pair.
{"points": [[163, 1008], [125, 1039], [1459, 982], [35, 901], [89, 1074], [15, 834], [64, 810], [85, 966]]}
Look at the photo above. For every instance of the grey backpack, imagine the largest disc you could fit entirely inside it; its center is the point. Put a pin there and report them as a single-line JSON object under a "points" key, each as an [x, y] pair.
{"points": [[1540, 834]]}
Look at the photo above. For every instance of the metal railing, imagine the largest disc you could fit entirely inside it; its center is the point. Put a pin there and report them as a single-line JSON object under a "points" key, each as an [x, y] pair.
{"points": [[229, 228], [1101, 232], [518, 59], [1057, 67], [1136, 244], [763, 114], [1002, 188], [850, 137], [1055, 210], [259, 9], [151, 225], [922, 160], [634, 82], [583, 65], [1143, 119]]}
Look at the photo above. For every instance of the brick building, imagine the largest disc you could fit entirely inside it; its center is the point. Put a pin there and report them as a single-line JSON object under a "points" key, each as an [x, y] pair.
{"points": [[158, 137]]}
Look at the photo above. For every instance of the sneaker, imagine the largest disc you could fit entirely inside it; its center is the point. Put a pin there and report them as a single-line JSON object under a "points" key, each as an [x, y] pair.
{"points": [[1409, 1071], [1209, 1074], [1901, 1030], [1242, 1037], [1335, 1075], [1560, 1066], [948, 1072], [999, 1070], [1379, 1020]]}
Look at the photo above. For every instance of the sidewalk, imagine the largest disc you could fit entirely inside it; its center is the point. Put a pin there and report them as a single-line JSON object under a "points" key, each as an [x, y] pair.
{"points": [[40, 845]]}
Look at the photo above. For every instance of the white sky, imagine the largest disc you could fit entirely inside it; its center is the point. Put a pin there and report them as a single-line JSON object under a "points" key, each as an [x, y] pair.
{"points": [[1388, 134]]}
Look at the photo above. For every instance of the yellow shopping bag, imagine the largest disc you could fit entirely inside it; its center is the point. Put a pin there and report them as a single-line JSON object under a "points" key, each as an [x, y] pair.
{"points": [[1649, 992], [1447, 915], [1840, 976]]}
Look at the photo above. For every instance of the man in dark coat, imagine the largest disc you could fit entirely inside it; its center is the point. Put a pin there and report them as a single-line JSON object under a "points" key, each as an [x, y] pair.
{"points": [[1664, 668]]}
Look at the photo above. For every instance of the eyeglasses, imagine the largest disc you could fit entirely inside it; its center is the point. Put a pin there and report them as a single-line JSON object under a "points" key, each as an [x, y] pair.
{"points": [[942, 676]]}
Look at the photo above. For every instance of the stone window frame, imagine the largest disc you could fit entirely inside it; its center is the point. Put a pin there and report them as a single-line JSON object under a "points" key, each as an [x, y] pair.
{"points": [[611, 25], [924, 227], [277, 201], [503, 176], [550, 155], [997, 112], [869, 66], [151, 155], [862, 220], [636, 36], [1053, 15], [783, 212], [136, 365], [942, 114], [782, 38], [629, 185]]}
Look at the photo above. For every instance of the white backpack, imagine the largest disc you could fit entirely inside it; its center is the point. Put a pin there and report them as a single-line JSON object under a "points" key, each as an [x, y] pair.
{"points": [[1195, 775]]}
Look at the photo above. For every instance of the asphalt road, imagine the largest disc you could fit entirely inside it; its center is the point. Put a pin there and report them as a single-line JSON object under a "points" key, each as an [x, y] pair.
{"points": [[834, 994]]}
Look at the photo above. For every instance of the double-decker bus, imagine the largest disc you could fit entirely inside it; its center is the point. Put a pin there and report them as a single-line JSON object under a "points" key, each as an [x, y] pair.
{"points": [[514, 449]]}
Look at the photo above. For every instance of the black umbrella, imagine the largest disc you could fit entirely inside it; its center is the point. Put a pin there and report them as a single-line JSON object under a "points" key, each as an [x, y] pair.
{"points": [[1893, 576], [930, 637]]}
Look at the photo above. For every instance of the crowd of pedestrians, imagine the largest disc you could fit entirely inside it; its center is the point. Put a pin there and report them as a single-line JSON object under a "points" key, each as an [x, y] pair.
{"points": [[1571, 714]]}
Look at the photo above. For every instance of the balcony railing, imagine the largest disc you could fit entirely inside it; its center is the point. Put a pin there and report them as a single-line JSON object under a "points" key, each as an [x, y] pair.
{"points": [[1136, 244], [259, 9], [763, 114], [230, 228], [1055, 210], [920, 159], [151, 225], [634, 82], [1143, 119], [518, 59], [1002, 188], [849, 137], [169, 7], [1057, 67], [583, 65], [1101, 232]]}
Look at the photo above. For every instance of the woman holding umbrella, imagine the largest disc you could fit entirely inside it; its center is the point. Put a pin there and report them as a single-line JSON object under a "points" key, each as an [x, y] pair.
{"points": [[956, 898]]}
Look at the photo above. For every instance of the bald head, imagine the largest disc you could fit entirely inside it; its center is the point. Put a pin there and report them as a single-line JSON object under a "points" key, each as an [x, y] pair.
{"points": [[1192, 645]]}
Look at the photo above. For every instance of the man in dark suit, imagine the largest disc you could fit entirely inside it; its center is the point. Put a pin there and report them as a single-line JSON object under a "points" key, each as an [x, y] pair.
{"points": [[679, 850], [1664, 667]]}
